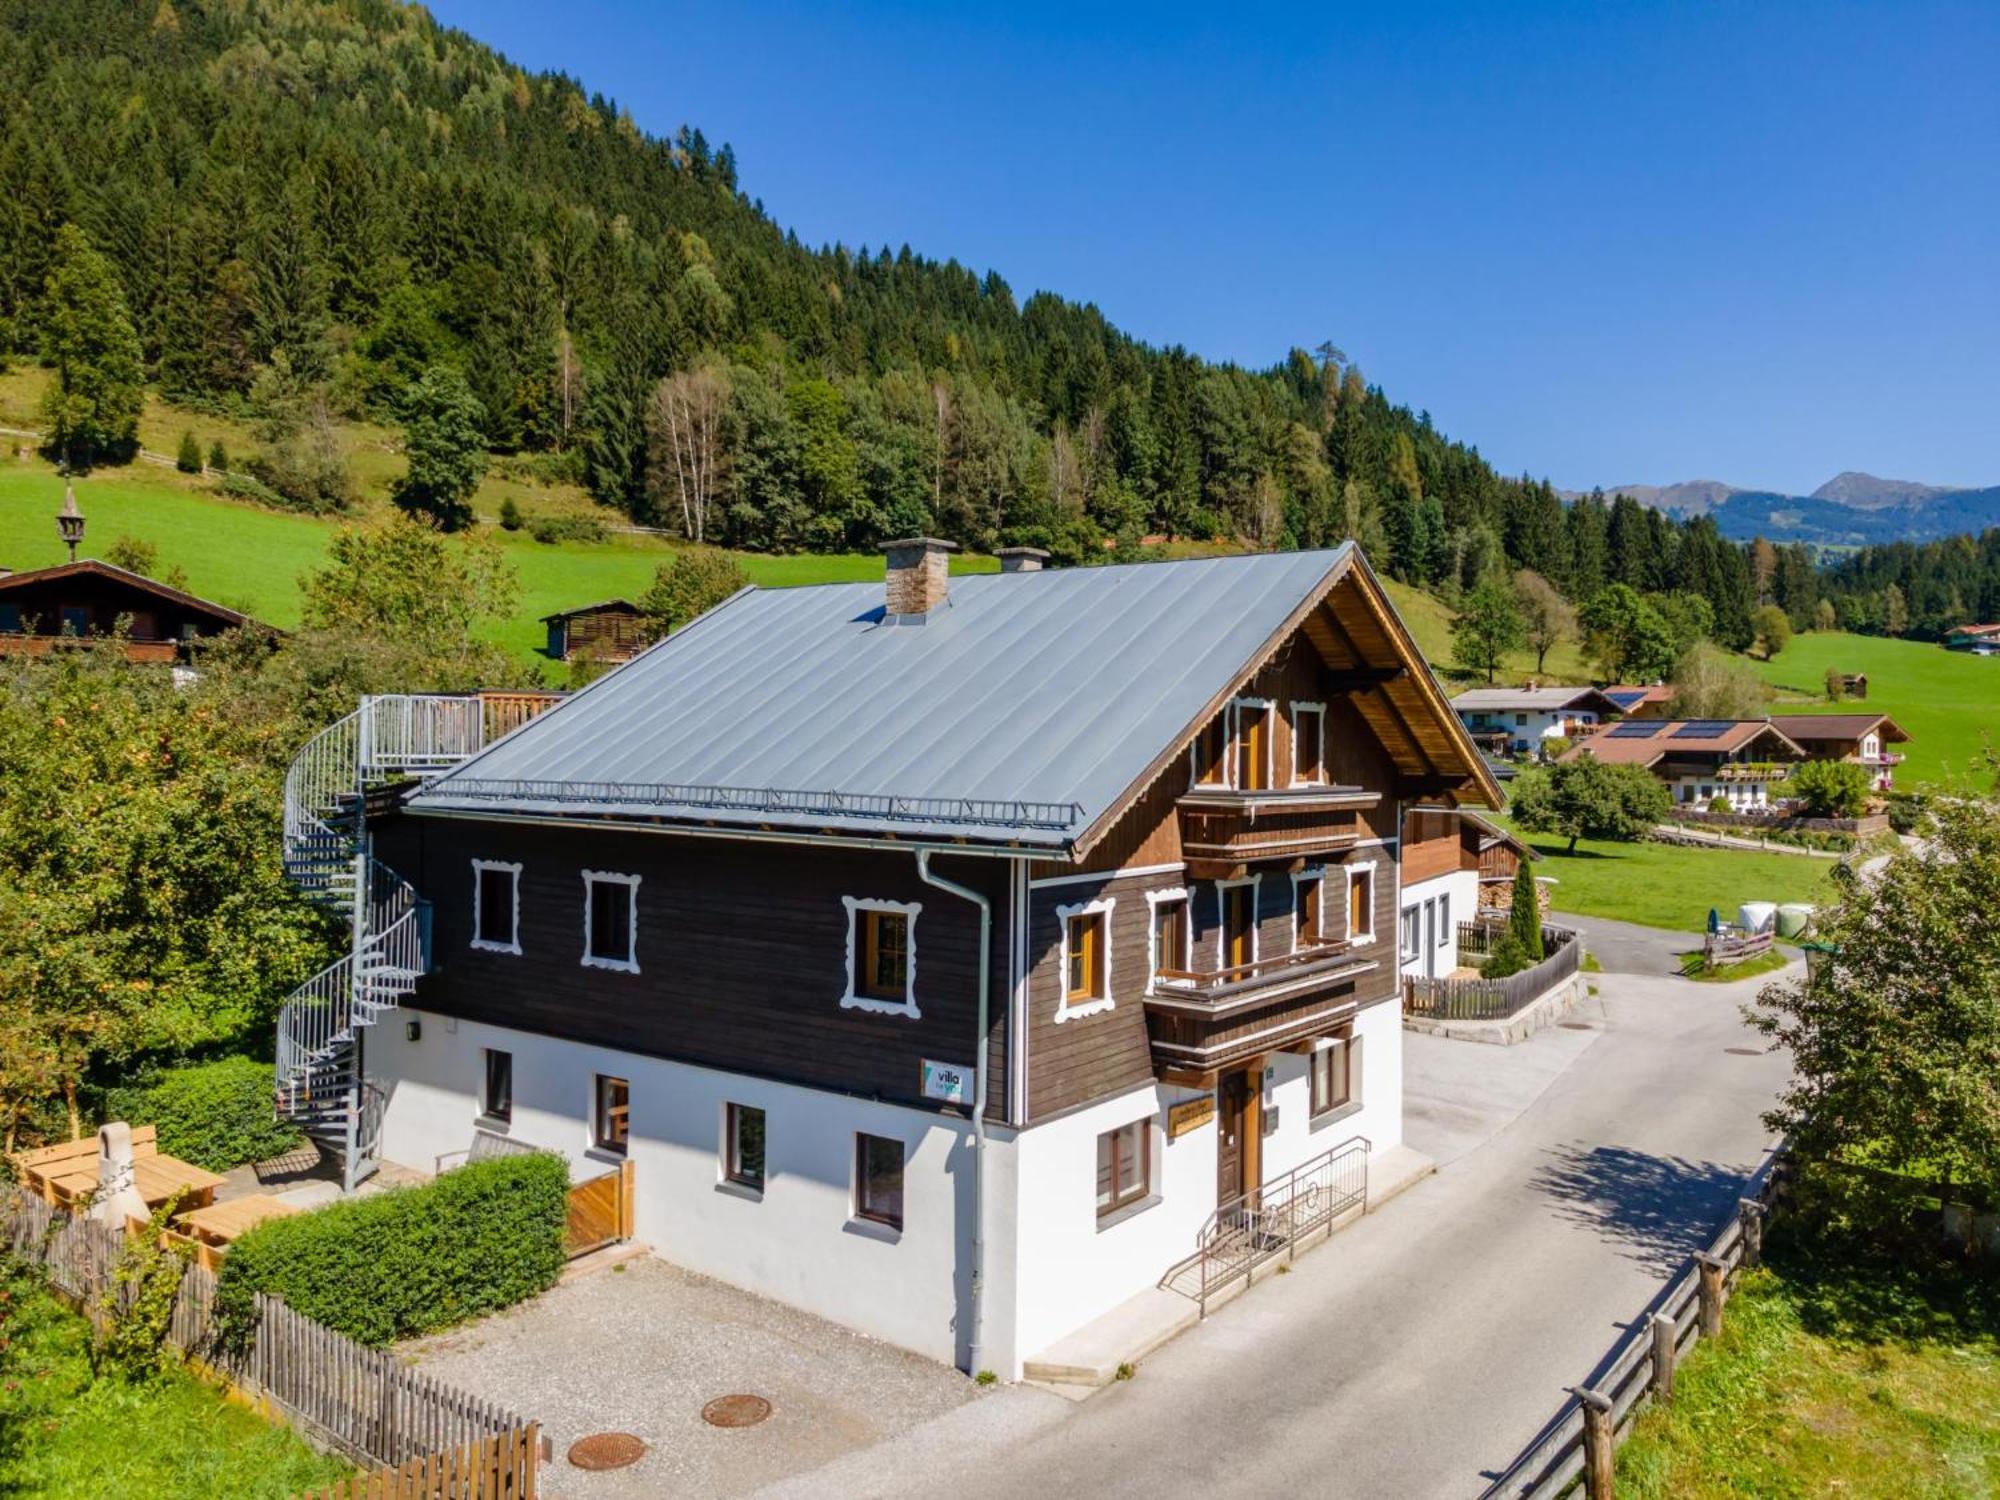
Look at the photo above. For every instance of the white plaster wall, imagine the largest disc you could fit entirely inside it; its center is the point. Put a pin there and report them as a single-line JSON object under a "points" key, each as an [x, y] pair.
{"points": [[1463, 888], [1298, 1137], [1069, 1271], [798, 1243]]}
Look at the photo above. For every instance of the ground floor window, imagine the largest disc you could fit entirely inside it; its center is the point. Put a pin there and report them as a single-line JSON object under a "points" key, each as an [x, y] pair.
{"points": [[1335, 1083], [878, 1180], [743, 1146], [1412, 931], [611, 1118], [496, 1095], [1124, 1166]]}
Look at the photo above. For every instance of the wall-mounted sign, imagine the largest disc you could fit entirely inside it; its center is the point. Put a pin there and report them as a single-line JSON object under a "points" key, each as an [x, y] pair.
{"points": [[947, 1082], [1191, 1114]]}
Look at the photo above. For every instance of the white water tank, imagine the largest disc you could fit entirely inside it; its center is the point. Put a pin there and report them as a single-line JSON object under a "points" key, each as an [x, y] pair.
{"points": [[1756, 916]]}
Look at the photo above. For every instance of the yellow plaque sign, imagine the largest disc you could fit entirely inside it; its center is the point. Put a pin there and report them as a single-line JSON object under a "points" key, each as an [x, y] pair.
{"points": [[1191, 1114]]}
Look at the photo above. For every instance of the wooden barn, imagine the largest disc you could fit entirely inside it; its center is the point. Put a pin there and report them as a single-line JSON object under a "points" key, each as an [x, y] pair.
{"points": [[611, 630]]}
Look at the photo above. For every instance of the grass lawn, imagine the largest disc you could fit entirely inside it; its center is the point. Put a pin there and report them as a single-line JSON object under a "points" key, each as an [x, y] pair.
{"points": [[252, 559], [65, 1435], [1836, 1374], [1764, 963], [1947, 701], [1665, 885]]}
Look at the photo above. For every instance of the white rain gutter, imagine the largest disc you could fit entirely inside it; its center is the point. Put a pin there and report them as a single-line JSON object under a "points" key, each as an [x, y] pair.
{"points": [[976, 1349]]}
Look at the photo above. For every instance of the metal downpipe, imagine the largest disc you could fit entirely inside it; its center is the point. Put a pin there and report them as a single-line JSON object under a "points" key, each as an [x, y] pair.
{"points": [[977, 1342]]}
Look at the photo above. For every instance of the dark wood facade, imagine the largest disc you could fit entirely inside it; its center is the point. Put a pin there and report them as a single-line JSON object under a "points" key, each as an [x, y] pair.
{"points": [[611, 631], [46, 608], [742, 952]]}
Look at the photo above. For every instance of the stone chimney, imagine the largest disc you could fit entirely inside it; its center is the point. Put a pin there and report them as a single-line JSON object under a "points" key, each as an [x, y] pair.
{"points": [[1021, 559], [918, 579]]}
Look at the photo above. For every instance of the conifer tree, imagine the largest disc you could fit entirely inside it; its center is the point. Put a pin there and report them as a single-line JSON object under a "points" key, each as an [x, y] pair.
{"points": [[91, 407], [188, 459]]}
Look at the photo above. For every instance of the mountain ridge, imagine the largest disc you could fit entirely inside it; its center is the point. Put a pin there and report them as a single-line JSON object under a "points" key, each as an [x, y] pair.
{"points": [[1853, 508]]}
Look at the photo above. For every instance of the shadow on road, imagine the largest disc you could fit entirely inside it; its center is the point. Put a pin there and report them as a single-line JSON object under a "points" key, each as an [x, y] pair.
{"points": [[1656, 1208]]}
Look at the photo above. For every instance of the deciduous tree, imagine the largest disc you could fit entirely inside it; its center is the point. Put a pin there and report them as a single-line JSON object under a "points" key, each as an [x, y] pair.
{"points": [[1586, 799], [444, 438], [1546, 617], [1488, 627], [1625, 635]]}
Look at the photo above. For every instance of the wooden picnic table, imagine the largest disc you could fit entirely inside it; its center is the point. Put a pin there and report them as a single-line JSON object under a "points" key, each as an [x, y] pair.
{"points": [[157, 1178], [219, 1223]]}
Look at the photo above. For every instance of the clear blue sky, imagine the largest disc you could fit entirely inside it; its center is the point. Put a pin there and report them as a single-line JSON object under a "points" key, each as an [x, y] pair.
{"points": [[1605, 242]]}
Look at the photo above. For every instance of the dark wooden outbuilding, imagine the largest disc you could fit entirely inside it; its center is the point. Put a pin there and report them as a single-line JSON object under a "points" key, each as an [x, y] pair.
{"points": [[608, 631], [44, 607]]}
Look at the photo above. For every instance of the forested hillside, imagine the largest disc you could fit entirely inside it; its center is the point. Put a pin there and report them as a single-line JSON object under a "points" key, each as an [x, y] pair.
{"points": [[309, 205]]}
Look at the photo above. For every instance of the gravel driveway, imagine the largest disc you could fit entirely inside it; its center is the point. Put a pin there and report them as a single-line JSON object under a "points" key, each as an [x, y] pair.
{"points": [[642, 1346]]}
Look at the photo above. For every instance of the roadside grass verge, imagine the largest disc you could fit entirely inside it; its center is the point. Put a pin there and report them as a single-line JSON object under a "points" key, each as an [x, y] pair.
{"points": [[1670, 885], [66, 1434], [1840, 1371], [1693, 967]]}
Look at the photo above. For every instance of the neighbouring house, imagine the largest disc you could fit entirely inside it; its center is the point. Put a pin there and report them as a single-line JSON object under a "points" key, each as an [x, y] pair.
{"points": [[944, 962], [43, 609], [1979, 640], [1649, 702], [1452, 860], [610, 631], [1702, 760], [1519, 719], [1861, 738]]}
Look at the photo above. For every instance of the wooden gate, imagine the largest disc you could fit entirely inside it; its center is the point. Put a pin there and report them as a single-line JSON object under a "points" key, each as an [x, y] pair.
{"points": [[501, 1467], [600, 1211]]}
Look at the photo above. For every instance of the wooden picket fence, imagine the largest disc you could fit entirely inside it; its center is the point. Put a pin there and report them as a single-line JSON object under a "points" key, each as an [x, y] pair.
{"points": [[501, 1467], [1579, 1444], [362, 1403]]}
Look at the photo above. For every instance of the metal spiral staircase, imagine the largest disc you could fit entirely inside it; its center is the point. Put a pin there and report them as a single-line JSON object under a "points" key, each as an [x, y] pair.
{"points": [[322, 1082]]}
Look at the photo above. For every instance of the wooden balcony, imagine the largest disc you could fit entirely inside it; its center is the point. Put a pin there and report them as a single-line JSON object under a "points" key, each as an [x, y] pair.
{"points": [[1223, 829], [1201, 1022]]}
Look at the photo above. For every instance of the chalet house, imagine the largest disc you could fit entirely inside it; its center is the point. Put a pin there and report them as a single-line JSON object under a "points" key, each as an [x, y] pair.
{"points": [[43, 608], [1455, 865], [1650, 702], [1861, 738], [1700, 760], [608, 631], [1519, 719], [1979, 640], [950, 963]]}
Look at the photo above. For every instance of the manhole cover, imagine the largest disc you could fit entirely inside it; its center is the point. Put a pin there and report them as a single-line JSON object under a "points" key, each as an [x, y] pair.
{"points": [[736, 1411], [606, 1450], [1744, 1051], [1576, 1026]]}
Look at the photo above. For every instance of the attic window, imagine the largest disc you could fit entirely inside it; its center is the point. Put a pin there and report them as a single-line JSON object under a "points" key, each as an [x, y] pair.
{"points": [[1211, 752], [1309, 744], [1086, 958]]}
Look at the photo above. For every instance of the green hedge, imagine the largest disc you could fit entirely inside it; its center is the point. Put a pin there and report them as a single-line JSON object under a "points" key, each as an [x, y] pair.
{"points": [[402, 1262], [217, 1115]]}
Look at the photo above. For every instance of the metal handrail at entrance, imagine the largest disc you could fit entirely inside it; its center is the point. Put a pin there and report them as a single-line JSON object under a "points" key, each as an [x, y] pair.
{"points": [[1268, 1221]]}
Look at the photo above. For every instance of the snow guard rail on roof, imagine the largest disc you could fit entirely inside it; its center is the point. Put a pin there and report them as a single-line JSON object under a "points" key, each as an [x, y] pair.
{"points": [[978, 811]]}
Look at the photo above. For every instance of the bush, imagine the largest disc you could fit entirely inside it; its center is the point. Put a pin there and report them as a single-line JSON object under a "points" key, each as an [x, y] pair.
{"points": [[188, 459], [1508, 957], [218, 457], [510, 515], [554, 529], [217, 1115], [1831, 788], [1719, 804], [245, 487], [403, 1262]]}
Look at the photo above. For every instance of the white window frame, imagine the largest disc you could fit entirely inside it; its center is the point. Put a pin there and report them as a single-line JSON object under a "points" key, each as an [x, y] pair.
{"points": [[592, 878], [1445, 933], [1352, 1061], [1098, 1004], [1153, 899], [1302, 877], [1347, 900], [1302, 707], [1410, 926], [849, 1000], [479, 869], [1255, 882], [1268, 708]]}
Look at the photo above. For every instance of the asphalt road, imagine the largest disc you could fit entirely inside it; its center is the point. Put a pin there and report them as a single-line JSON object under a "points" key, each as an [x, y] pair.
{"points": [[1418, 1351]]}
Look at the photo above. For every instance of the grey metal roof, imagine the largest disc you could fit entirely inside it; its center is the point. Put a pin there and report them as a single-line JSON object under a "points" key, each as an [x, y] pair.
{"points": [[1522, 699], [1020, 709]]}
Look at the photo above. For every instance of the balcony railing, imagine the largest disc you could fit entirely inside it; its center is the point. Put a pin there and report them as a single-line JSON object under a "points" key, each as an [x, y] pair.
{"points": [[1883, 758], [1220, 825], [1263, 980], [1744, 770]]}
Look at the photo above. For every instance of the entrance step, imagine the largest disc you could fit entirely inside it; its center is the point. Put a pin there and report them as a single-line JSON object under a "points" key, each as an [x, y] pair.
{"points": [[603, 1260], [1393, 1170], [1089, 1358]]}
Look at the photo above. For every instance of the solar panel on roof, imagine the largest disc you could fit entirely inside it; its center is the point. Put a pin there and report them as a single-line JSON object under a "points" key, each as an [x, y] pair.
{"points": [[1637, 729], [1704, 729]]}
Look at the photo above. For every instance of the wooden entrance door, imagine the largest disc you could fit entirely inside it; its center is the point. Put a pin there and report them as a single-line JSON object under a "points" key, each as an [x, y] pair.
{"points": [[1232, 1093]]}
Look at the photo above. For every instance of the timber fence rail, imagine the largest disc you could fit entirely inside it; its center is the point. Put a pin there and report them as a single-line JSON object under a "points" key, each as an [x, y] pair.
{"points": [[360, 1402], [1484, 999], [1579, 1444]]}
